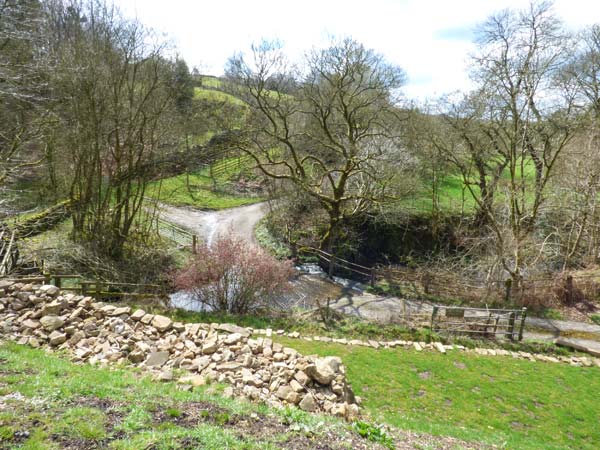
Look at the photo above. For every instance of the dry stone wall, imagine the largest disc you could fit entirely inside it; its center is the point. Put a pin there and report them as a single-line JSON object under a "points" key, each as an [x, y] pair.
{"points": [[99, 333]]}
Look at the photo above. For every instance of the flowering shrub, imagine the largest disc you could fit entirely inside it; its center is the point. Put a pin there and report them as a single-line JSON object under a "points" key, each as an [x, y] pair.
{"points": [[234, 276]]}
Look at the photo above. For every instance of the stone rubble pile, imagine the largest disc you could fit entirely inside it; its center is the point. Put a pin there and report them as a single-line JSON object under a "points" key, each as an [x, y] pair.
{"points": [[99, 333]]}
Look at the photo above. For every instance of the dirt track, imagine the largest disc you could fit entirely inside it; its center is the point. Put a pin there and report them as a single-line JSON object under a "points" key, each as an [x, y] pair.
{"points": [[211, 224]]}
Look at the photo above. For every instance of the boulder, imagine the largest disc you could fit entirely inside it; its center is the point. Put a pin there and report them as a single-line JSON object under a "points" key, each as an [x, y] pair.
{"points": [[156, 359], [308, 403], [162, 323], [231, 328], [324, 370], [57, 338], [51, 323], [50, 290]]}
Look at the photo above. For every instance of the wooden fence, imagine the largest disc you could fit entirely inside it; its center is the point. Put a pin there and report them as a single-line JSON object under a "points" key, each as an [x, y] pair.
{"points": [[487, 323], [9, 254], [534, 293], [98, 289], [177, 234], [333, 261]]}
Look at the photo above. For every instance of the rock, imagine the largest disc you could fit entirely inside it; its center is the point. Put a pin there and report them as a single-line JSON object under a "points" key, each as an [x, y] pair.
{"points": [[77, 337], [31, 324], [162, 323], [147, 319], [138, 314], [233, 338], [324, 370], [210, 347], [51, 323], [339, 409], [165, 375], [229, 366], [297, 387], [308, 403], [440, 347], [231, 328], [374, 344], [417, 346], [286, 393], [193, 380], [57, 338], [49, 289], [156, 359], [201, 363], [301, 378], [121, 311], [53, 308], [136, 356]]}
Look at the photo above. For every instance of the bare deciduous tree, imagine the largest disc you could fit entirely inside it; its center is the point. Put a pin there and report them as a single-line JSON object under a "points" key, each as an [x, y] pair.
{"points": [[331, 129], [527, 118]]}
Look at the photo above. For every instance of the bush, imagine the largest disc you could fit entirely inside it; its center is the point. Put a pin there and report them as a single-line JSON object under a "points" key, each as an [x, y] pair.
{"points": [[595, 318], [233, 276]]}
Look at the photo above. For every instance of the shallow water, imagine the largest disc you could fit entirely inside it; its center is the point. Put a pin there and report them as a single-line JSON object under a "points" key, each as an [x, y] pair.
{"points": [[309, 286]]}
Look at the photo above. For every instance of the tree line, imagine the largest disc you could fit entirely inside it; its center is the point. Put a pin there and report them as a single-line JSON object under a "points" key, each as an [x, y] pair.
{"points": [[95, 102]]}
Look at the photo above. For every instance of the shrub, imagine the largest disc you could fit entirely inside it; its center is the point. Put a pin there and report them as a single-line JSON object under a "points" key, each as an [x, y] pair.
{"points": [[233, 276], [595, 318]]}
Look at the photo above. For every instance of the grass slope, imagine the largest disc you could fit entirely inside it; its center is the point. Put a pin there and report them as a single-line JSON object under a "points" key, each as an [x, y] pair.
{"points": [[47, 402], [200, 190], [499, 400]]}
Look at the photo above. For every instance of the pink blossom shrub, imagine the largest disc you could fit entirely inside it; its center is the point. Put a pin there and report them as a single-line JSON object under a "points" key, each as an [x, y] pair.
{"points": [[234, 276]]}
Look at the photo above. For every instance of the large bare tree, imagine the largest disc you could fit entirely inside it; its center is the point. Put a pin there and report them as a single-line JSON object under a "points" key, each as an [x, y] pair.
{"points": [[23, 87], [524, 119], [330, 128], [115, 89]]}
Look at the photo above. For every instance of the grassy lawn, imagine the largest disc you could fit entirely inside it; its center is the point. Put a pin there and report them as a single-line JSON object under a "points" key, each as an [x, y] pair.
{"points": [[46, 402], [500, 400], [198, 188], [454, 197]]}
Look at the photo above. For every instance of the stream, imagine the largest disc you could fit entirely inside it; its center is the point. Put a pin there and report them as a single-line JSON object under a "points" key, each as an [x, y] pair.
{"points": [[349, 297]]}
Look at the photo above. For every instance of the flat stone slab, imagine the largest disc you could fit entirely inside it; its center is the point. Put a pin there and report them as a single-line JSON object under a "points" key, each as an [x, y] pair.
{"points": [[583, 345], [157, 359]]}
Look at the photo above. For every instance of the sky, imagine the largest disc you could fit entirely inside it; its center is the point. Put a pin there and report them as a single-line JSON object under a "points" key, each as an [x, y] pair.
{"points": [[430, 39]]}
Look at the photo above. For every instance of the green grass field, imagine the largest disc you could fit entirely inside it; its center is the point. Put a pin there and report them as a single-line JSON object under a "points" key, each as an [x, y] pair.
{"points": [[511, 403], [453, 195], [200, 190], [216, 96], [46, 402]]}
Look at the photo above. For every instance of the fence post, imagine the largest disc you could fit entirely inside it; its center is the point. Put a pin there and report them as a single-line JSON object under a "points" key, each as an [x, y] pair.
{"points": [[372, 276], [522, 326], [511, 325], [57, 281], [508, 288], [194, 243], [569, 290], [433, 315]]}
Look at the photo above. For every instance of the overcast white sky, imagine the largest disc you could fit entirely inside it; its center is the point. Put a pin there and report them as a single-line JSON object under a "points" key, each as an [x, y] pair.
{"points": [[429, 39]]}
